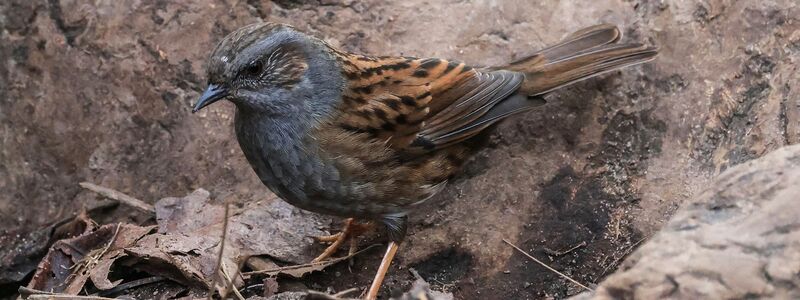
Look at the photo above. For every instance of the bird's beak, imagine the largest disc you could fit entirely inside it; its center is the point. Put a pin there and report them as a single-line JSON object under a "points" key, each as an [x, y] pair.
{"points": [[212, 94]]}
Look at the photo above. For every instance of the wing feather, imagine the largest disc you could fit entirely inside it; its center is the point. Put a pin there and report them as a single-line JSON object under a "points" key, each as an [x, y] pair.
{"points": [[410, 103]]}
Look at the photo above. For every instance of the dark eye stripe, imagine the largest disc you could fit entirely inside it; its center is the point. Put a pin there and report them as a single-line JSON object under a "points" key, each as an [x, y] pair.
{"points": [[282, 67]]}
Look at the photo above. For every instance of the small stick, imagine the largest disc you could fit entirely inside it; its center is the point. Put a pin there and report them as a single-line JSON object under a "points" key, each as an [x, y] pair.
{"points": [[29, 293], [345, 292], [311, 264], [119, 196], [90, 260], [219, 256], [548, 267], [26, 291], [231, 286], [66, 297], [130, 285], [257, 285], [320, 296], [561, 253], [110, 242]]}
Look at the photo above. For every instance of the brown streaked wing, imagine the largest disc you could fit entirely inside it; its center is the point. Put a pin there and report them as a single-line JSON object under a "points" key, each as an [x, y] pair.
{"points": [[411, 103], [453, 124]]}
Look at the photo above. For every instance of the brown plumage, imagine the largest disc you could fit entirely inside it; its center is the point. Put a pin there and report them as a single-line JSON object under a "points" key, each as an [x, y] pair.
{"points": [[402, 120], [371, 137]]}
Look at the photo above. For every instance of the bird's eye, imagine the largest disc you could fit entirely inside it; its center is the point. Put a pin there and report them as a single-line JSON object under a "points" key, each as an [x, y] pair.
{"points": [[253, 69]]}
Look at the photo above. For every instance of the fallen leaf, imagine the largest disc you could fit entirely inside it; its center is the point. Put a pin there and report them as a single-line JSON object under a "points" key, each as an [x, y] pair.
{"points": [[187, 244], [20, 253], [270, 286], [148, 256], [71, 262], [272, 228]]}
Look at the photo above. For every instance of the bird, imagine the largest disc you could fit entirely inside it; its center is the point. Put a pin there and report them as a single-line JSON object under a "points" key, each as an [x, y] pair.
{"points": [[370, 138]]}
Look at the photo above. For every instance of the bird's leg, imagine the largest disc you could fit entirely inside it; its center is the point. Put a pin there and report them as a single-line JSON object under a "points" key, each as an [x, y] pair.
{"points": [[382, 269], [353, 246], [328, 238], [350, 230], [335, 240]]}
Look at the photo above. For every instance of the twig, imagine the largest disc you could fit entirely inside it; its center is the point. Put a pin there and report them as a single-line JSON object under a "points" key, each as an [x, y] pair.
{"points": [[237, 273], [322, 296], [313, 264], [28, 293], [65, 296], [130, 285], [230, 285], [257, 285], [119, 196], [90, 260], [561, 253], [219, 256], [345, 292], [110, 242], [546, 266]]}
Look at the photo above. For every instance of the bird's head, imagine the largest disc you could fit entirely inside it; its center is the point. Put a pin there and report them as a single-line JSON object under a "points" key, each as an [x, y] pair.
{"points": [[273, 69]]}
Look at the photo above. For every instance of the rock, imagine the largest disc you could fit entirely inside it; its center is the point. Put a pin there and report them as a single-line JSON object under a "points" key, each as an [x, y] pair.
{"points": [[740, 238]]}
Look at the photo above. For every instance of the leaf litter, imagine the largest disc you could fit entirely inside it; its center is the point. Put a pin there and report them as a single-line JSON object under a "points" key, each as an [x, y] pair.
{"points": [[184, 246], [20, 253]]}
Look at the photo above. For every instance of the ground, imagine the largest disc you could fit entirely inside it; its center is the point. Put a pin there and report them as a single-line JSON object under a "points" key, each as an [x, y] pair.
{"points": [[101, 92]]}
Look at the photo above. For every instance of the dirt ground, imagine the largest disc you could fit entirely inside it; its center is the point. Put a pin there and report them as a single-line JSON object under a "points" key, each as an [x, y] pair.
{"points": [[737, 239], [100, 91]]}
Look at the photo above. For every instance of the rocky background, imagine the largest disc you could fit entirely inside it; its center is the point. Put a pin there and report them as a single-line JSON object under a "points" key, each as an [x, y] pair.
{"points": [[738, 239], [100, 91]]}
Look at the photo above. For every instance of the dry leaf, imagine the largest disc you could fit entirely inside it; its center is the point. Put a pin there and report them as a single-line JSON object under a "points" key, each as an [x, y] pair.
{"points": [[273, 228], [21, 253], [149, 257], [270, 286], [71, 262], [186, 245], [187, 242], [298, 271]]}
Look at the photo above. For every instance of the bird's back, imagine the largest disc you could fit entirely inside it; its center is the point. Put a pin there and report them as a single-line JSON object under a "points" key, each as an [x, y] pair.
{"points": [[396, 129], [406, 125]]}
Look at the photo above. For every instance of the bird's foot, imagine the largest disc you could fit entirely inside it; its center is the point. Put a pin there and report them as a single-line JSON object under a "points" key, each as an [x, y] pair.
{"points": [[350, 231]]}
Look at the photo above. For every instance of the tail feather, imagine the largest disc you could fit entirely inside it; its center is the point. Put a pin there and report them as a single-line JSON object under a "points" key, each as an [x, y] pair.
{"points": [[582, 40], [582, 55]]}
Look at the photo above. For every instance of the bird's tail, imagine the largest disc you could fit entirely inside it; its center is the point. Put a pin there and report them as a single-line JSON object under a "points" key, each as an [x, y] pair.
{"points": [[583, 54]]}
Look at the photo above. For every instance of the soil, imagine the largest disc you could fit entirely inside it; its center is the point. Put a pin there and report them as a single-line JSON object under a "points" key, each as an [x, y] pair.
{"points": [[736, 239], [101, 92]]}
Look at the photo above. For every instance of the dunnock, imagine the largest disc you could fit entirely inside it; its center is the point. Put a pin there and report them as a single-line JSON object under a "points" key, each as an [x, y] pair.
{"points": [[372, 137]]}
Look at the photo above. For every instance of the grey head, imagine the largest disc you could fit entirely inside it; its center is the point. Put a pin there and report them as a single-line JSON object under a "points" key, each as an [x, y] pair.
{"points": [[273, 70]]}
